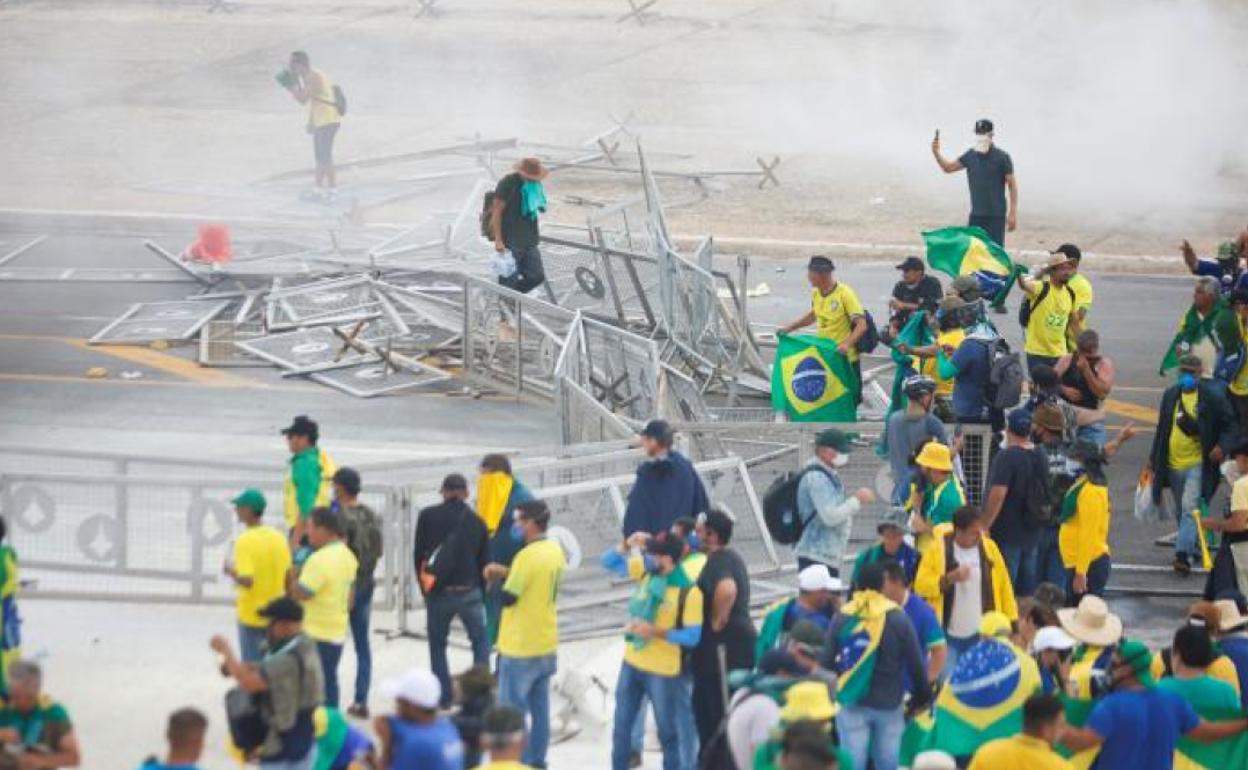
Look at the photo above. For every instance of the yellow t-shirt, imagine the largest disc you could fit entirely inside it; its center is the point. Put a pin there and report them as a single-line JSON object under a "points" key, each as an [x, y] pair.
{"points": [[834, 313], [504, 765], [1082, 288], [328, 575], [1046, 329], [530, 627], [952, 338], [262, 554], [659, 656], [322, 111], [1184, 449], [1021, 752], [1239, 385], [1084, 538]]}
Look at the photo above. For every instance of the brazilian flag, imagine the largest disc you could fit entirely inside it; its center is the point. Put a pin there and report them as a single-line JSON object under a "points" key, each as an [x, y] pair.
{"points": [[1219, 755], [984, 698], [915, 334], [811, 382], [959, 251]]}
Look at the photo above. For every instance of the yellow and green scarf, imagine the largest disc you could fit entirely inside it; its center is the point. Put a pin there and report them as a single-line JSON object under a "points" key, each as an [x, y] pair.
{"points": [[858, 642]]}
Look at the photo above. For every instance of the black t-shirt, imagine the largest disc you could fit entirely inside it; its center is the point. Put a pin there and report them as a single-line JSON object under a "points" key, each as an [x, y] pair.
{"points": [[1011, 468], [519, 232], [926, 294], [739, 635], [985, 175]]}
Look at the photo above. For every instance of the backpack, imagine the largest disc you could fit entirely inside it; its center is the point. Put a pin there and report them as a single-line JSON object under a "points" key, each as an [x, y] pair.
{"points": [[1040, 509], [364, 538], [1028, 305], [780, 507], [1005, 375], [248, 728], [340, 100], [869, 341], [487, 212]]}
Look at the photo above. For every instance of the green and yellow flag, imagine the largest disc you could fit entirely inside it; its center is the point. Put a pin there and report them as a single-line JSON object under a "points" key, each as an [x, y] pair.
{"points": [[811, 382], [984, 698], [858, 643], [959, 251]]}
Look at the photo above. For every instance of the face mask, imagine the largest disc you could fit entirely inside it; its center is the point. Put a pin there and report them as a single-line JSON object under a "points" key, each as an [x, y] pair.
{"points": [[650, 562], [517, 531], [694, 541], [983, 144], [1187, 382], [840, 461]]}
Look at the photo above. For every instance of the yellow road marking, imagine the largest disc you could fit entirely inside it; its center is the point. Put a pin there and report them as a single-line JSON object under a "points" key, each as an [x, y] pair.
{"points": [[154, 359], [1133, 411]]}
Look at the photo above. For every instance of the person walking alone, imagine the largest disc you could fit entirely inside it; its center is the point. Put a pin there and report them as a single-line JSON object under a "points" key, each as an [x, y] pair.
{"points": [[312, 87], [518, 200], [989, 172]]}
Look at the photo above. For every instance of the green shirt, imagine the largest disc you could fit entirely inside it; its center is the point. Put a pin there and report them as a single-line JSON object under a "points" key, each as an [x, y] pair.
{"points": [[768, 756], [42, 728], [1204, 693]]}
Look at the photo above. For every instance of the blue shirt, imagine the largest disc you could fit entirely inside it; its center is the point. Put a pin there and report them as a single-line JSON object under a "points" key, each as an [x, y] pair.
{"points": [[1140, 728], [970, 387], [1227, 278], [926, 628], [432, 746]]}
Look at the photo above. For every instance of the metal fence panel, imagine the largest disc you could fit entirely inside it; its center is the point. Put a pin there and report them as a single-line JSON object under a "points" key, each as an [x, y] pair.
{"points": [[512, 340]]}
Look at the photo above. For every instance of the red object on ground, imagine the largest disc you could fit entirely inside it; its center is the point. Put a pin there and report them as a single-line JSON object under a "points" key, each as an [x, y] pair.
{"points": [[212, 245]]}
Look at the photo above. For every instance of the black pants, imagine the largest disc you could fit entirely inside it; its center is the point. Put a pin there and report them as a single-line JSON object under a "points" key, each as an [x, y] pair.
{"points": [[994, 226], [323, 144], [709, 708], [1240, 405], [529, 270]]}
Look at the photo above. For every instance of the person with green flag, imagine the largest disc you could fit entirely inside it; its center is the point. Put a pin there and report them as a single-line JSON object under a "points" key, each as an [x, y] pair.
{"points": [[969, 252], [871, 642], [1209, 330], [1138, 725]]}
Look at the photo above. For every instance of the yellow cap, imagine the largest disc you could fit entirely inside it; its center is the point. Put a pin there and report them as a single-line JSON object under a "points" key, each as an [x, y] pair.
{"points": [[994, 624], [807, 700]]}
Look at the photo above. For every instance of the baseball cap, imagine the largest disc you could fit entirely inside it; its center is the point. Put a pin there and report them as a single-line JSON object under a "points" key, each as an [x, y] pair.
{"points": [[888, 523], [817, 577], [251, 498], [659, 430], [967, 287], [672, 545], [1135, 654], [282, 608], [837, 439], [302, 425], [1019, 422], [1070, 251], [1228, 252], [983, 126], [820, 264], [418, 687], [1052, 638], [911, 263]]}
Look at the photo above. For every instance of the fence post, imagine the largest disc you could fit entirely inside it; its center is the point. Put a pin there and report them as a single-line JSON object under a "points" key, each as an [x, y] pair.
{"points": [[122, 515]]}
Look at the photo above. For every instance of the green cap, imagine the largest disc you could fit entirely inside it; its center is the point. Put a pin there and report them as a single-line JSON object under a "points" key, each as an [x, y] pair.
{"points": [[1136, 655], [837, 439], [1228, 251], [251, 498]]}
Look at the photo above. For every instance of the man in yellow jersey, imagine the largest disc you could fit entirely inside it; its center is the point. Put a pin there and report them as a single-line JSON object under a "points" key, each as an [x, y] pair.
{"points": [[1050, 309], [1082, 288], [309, 480], [325, 586], [258, 567], [313, 88], [835, 311], [528, 632], [1195, 431], [1033, 747]]}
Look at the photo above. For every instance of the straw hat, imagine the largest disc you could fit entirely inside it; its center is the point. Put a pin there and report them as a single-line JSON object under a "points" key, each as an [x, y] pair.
{"points": [[1056, 260], [807, 700], [532, 169], [1091, 622], [1232, 618], [935, 456]]}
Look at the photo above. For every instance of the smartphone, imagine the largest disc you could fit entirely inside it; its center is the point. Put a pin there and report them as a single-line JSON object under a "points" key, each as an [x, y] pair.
{"points": [[937, 137]]}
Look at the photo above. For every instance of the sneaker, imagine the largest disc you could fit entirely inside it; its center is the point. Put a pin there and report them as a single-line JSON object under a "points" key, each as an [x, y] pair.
{"points": [[1181, 565], [634, 759], [358, 711]]}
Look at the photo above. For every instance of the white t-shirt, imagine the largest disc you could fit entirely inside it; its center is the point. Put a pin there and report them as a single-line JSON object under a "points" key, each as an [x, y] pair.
{"points": [[968, 605], [751, 716]]}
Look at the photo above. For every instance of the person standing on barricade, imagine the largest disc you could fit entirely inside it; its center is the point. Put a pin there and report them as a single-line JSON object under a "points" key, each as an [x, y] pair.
{"points": [[514, 208]]}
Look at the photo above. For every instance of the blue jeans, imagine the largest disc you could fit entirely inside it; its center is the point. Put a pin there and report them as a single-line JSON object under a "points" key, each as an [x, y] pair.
{"points": [[664, 693], [440, 609], [251, 641], [360, 613], [330, 655], [307, 763], [1049, 567], [1021, 563], [1098, 577], [686, 728], [1185, 486], [956, 647], [524, 684], [1095, 433], [876, 733]]}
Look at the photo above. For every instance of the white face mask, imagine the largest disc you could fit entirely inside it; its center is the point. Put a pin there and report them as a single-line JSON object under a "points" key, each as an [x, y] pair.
{"points": [[983, 143], [840, 461]]}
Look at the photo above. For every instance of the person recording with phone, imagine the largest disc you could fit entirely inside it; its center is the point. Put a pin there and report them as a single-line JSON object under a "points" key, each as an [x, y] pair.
{"points": [[989, 172]]}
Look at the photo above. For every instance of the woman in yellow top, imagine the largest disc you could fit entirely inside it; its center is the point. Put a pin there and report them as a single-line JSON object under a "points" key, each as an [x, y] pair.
{"points": [[1083, 538], [313, 88], [836, 312]]}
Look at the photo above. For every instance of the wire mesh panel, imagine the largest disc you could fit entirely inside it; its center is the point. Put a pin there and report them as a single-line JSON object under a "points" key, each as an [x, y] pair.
{"points": [[376, 378], [582, 419], [217, 343], [303, 349], [581, 278], [621, 370], [150, 321], [511, 339], [334, 298]]}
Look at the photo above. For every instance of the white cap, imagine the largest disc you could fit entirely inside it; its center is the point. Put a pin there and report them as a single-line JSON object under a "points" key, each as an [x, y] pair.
{"points": [[418, 687], [1052, 638], [933, 760], [816, 577]]}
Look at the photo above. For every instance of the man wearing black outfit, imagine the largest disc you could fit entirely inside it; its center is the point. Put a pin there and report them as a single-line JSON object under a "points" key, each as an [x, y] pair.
{"points": [[915, 291], [989, 171], [725, 586], [452, 548], [518, 199]]}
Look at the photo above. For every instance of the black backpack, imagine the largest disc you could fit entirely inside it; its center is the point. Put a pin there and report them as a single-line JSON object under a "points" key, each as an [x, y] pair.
{"points": [[780, 507], [243, 712], [340, 100], [487, 212], [1040, 508], [869, 341], [1005, 375], [1027, 305]]}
